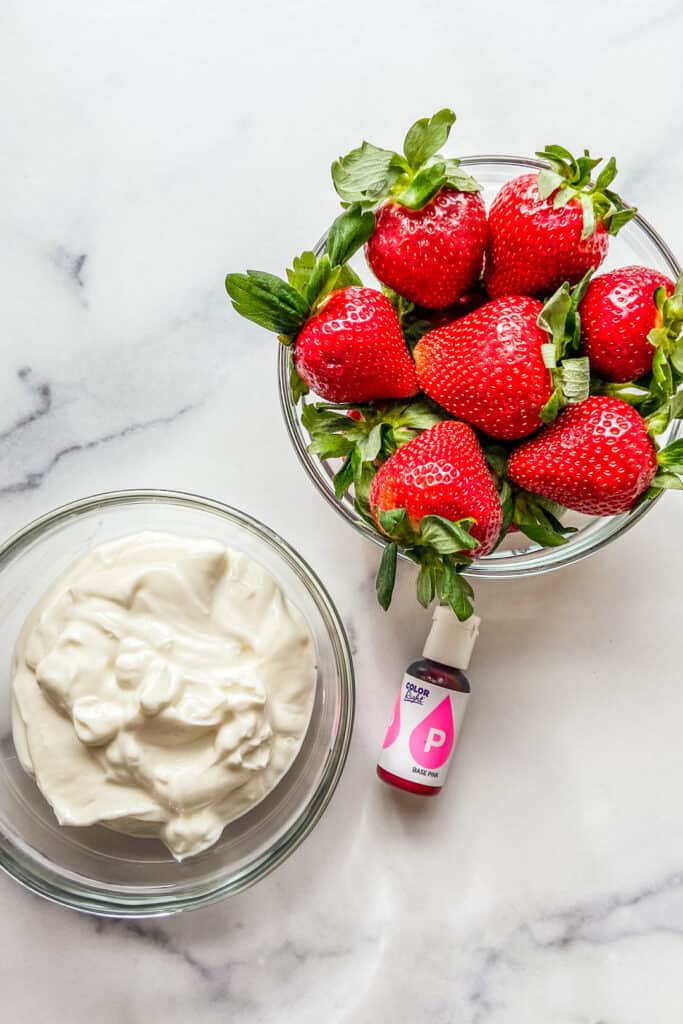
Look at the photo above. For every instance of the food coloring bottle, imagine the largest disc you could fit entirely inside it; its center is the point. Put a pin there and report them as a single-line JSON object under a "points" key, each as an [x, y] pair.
{"points": [[429, 709]]}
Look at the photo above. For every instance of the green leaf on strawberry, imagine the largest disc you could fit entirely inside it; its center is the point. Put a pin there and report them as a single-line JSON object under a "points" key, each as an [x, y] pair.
{"points": [[299, 275], [370, 175], [370, 443], [671, 457], [427, 136], [364, 474], [496, 457], [550, 411], [380, 431], [560, 318], [507, 502], [569, 178], [439, 548], [458, 178], [447, 537], [344, 477], [631, 392], [305, 266], [666, 379], [386, 575], [537, 518], [425, 584], [297, 384], [667, 481], [347, 234], [455, 590], [268, 301], [561, 321], [425, 184], [366, 174], [669, 475]]}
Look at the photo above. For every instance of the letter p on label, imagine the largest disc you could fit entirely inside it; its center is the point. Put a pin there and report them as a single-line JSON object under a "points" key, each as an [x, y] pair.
{"points": [[435, 738], [431, 741]]}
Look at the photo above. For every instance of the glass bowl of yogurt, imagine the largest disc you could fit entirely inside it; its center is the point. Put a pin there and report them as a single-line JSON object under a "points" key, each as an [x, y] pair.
{"points": [[176, 703], [637, 243]]}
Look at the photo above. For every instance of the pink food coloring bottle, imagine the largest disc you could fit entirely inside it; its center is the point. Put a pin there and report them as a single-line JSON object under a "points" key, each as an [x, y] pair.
{"points": [[430, 708]]}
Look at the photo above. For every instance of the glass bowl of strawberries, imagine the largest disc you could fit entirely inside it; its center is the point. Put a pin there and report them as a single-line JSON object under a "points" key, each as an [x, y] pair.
{"points": [[501, 396]]}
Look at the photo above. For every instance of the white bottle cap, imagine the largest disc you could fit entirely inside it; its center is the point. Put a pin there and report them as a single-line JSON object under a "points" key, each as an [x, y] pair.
{"points": [[450, 641]]}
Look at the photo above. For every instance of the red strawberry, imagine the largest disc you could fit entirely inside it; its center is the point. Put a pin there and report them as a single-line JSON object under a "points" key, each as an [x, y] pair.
{"points": [[348, 343], [597, 458], [353, 350], [433, 255], [617, 313], [441, 473], [487, 368], [430, 236], [551, 227]]}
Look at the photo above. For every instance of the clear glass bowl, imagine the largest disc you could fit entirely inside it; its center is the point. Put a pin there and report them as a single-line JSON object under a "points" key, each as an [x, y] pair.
{"points": [[636, 243], [96, 869]]}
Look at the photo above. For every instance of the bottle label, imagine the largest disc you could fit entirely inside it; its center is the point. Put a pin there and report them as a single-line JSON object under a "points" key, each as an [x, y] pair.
{"points": [[423, 731]]}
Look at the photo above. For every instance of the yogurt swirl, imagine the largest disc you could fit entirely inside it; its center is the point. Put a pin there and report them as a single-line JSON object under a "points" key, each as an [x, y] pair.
{"points": [[163, 686]]}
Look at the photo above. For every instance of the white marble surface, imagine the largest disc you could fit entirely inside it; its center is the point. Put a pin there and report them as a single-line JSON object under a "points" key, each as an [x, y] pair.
{"points": [[148, 148]]}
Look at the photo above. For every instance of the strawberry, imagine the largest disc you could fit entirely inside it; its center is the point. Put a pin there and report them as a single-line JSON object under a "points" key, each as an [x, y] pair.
{"points": [[347, 340], [430, 234], [433, 255], [493, 367], [352, 349], [551, 226], [597, 458], [436, 498], [618, 313], [442, 472]]}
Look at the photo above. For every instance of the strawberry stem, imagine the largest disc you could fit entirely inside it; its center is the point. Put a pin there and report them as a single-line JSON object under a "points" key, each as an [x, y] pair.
{"points": [[568, 177], [439, 547], [560, 319], [369, 175]]}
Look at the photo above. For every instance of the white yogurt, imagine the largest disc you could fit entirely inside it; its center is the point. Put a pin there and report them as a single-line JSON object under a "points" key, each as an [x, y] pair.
{"points": [[163, 686]]}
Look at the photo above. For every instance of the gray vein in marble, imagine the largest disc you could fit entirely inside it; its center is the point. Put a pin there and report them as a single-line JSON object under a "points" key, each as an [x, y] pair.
{"points": [[352, 635], [70, 263], [600, 922], [40, 392], [35, 478], [217, 981], [480, 999], [155, 936]]}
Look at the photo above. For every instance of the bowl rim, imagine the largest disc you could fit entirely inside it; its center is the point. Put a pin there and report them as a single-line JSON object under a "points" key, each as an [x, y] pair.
{"points": [[46, 881], [507, 568]]}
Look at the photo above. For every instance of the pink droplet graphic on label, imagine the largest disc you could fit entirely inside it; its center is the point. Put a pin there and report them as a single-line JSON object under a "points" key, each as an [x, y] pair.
{"points": [[432, 740], [394, 726]]}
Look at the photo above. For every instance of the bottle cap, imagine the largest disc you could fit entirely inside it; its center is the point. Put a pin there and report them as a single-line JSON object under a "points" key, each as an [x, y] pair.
{"points": [[451, 641]]}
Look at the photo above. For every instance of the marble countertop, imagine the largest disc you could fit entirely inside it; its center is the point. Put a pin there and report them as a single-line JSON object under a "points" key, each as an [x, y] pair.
{"points": [[148, 148]]}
